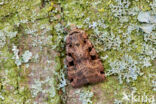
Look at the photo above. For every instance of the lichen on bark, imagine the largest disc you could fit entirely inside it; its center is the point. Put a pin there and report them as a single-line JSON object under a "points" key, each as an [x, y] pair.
{"points": [[122, 32]]}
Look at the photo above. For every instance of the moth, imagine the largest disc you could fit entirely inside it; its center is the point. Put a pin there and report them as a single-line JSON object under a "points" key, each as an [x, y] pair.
{"points": [[83, 64]]}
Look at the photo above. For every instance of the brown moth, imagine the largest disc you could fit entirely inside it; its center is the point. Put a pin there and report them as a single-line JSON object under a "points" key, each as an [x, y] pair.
{"points": [[83, 64]]}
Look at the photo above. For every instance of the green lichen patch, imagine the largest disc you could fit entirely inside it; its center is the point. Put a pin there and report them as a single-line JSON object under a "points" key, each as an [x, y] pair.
{"points": [[11, 92], [122, 32]]}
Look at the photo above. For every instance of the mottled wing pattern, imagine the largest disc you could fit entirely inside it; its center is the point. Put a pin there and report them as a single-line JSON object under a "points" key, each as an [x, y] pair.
{"points": [[83, 64]]}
